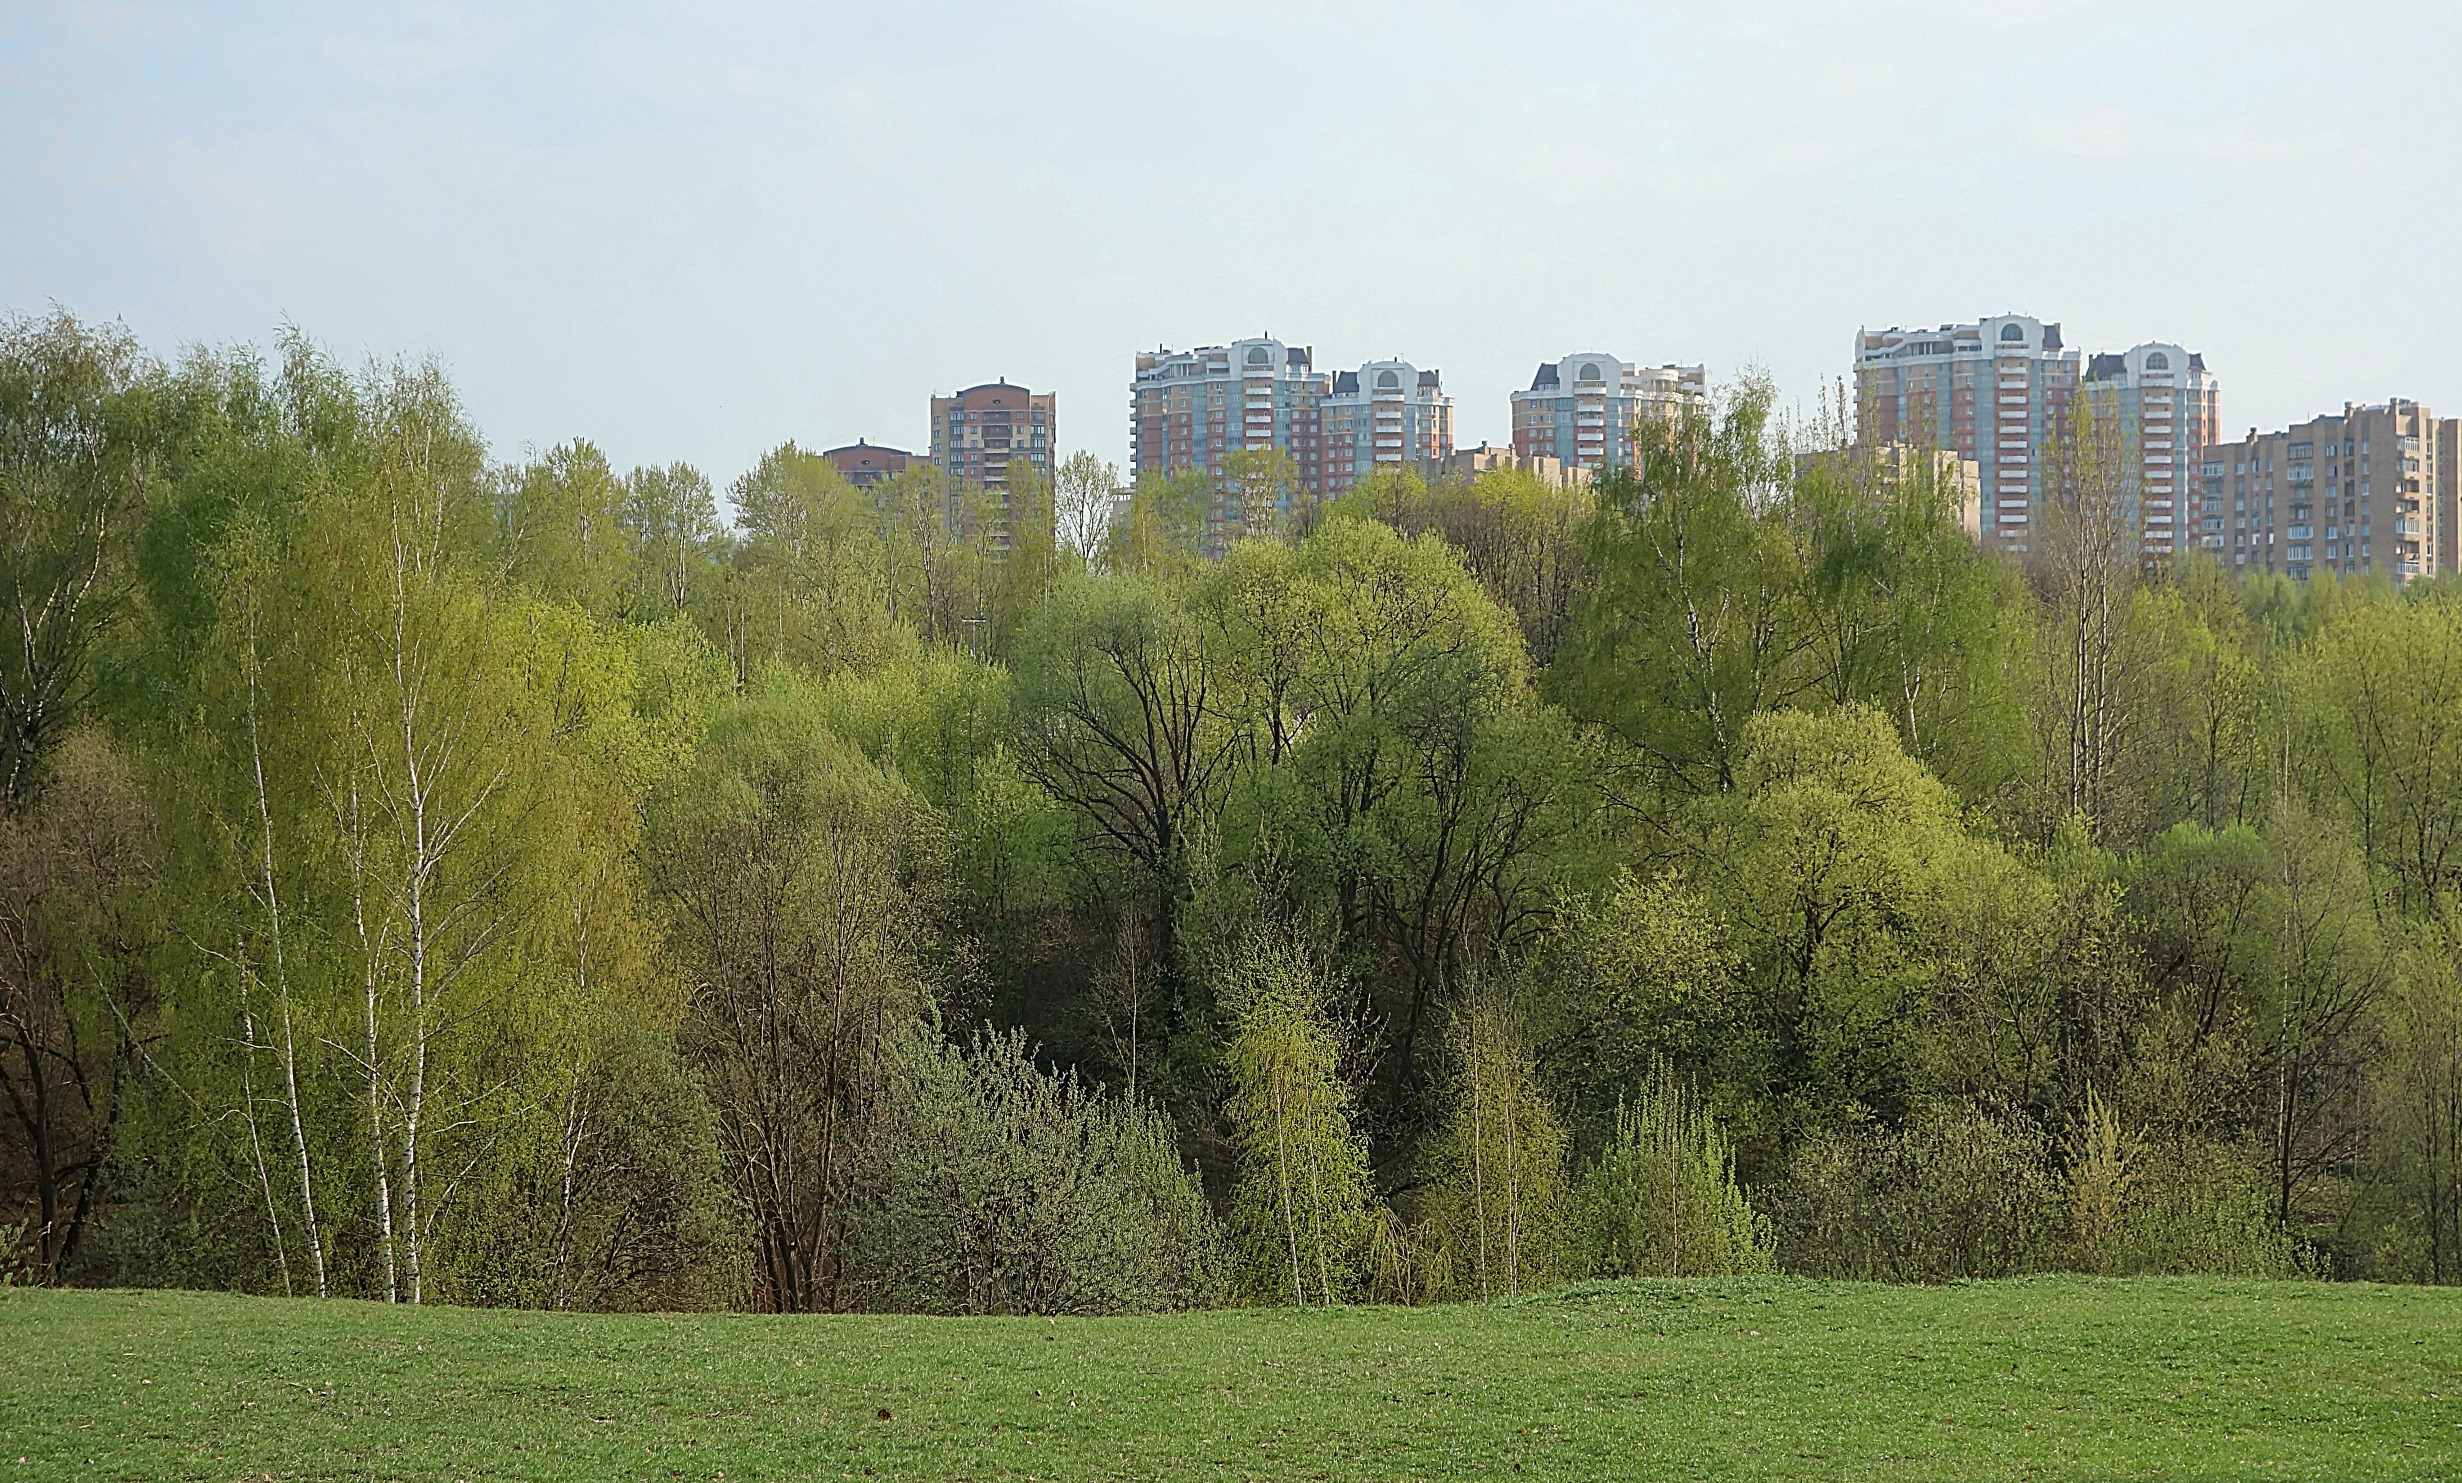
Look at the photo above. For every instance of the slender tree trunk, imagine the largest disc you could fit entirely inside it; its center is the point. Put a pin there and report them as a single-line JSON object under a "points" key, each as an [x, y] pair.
{"points": [[1282, 1180], [1478, 1160], [256, 1141], [380, 1153], [272, 897]]}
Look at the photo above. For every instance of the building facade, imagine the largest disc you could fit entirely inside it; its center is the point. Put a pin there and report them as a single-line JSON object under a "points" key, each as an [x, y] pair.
{"points": [[2167, 411], [865, 464], [1190, 409], [1580, 410], [1388, 414], [980, 432], [2000, 390], [1991, 391], [2365, 490], [1470, 463]]}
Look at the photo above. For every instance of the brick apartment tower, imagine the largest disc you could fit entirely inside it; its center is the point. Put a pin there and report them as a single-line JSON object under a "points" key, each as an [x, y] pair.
{"points": [[1387, 414], [2169, 411], [1990, 391], [1189, 409], [1999, 390], [979, 432], [865, 464], [1580, 410]]}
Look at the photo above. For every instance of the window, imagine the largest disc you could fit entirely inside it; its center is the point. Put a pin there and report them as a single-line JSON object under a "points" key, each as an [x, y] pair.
{"points": [[1589, 371], [2157, 361], [1259, 356], [2011, 334], [1387, 381]]}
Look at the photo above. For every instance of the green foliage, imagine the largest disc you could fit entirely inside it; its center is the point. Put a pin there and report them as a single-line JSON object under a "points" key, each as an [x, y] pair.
{"points": [[797, 877], [1692, 623], [1122, 720], [1303, 1211], [1520, 535], [1162, 531], [614, 1199], [1661, 1198], [76, 449], [1399, 769], [427, 877], [992, 1185], [561, 521], [1953, 1192], [1634, 976], [2383, 686], [1833, 858], [2418, 1096], [79, 1002], [1493, 1221], [1902, 617]]}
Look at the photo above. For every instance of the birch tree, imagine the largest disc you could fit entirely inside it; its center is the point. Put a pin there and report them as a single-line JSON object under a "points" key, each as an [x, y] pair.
{"points": [[1303, 1209]]}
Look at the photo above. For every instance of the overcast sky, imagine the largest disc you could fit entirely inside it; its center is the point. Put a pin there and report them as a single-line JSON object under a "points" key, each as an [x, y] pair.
{"points": [[697, 231]]}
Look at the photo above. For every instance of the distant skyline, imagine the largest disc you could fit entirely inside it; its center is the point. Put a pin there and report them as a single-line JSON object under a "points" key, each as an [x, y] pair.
{"points": [[694, 235]]}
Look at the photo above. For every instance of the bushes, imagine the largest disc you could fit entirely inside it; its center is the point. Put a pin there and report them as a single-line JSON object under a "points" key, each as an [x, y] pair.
{"points": [[1955, 1192], [1662, 1200], [989, 1185], [1959, 1191], [2198, 1208]]}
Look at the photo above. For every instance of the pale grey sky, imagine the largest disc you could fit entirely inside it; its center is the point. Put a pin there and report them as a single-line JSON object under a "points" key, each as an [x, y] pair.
{"points": [[694, 232]]}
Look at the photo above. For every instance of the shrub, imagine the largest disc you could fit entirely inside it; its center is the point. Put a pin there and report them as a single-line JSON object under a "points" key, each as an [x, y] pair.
{"points": [[990, 1185], [2186, 1206], [611, 1196], [1662, 1199], [1954, 1192], [2200, 1207]]}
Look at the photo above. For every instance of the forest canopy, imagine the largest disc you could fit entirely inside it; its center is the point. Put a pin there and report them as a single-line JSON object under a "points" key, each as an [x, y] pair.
{"points": [[429, 877]]}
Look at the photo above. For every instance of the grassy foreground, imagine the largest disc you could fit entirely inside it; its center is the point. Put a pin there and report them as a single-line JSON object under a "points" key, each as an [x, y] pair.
{"points": [[2037, 1380]]}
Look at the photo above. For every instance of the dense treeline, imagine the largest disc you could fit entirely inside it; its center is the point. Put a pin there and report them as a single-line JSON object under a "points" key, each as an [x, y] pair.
{"points": [[436, 879]]}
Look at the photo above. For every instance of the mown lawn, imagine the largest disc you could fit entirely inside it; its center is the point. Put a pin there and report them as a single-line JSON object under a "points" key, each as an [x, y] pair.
{"points": [[1780, 1379]]}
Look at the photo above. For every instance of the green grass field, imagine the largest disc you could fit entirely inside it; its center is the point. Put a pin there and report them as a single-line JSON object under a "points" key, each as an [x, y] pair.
{"points": [[1780, 1379]]}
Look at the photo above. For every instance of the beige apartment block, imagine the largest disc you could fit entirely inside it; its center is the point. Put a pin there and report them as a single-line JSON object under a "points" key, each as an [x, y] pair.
{"points": [[1890, 463], [2368, 490], [2449, 495], [1470, 463]]}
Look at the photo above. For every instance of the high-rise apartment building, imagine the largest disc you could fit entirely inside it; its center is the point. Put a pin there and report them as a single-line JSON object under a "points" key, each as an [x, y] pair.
{"points": [[1189, 409], [865, 464], [1992, 391], [1999, 391], [1386, 414], [980, 431], [1580, 410], [2369, 489], [2166, 409]]}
